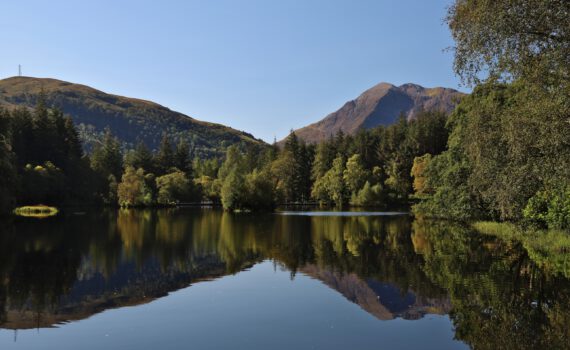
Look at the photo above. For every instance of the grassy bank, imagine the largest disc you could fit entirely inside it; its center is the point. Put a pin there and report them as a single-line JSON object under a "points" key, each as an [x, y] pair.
{"points": [[550, 249]]}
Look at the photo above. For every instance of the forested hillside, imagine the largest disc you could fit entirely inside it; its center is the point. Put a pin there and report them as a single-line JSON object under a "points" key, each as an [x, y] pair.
{"points": [[130, 120]]}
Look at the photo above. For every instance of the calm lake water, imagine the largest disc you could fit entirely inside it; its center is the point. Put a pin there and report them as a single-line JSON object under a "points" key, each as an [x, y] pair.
{"points": [[204, 279]]}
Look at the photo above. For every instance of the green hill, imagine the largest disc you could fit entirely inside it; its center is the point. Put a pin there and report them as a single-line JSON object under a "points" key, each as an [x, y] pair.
{"points": [[131, 120]]}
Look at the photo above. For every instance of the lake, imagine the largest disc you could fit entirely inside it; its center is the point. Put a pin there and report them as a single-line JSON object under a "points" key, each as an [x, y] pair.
{"points": [[205, 279]]}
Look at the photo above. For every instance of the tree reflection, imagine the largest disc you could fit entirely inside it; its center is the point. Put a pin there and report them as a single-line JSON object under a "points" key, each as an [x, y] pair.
{"points": [[501, 298], [68, 268]]}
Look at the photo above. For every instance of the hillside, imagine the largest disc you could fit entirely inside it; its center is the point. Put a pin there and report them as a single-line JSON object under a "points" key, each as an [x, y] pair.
{"points": [[380, 105], [129, 119]]}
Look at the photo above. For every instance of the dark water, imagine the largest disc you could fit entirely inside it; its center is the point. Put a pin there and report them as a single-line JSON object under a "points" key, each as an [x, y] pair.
{"points": [[203, 279]]}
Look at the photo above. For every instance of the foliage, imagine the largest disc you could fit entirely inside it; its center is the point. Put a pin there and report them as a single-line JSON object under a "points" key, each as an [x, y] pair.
{"points": [[233, 189], [511, 39], [452, 199], [173, 188], [140, 157], [209, 187], [8, 179], [248, 177], [355, 175], [502, 150], [292, 170], [165, 156], [551, 207], [133, 191], [259, 191], [107, 157], [368, 195], [509, 155], [331, 187], [418, 173]]}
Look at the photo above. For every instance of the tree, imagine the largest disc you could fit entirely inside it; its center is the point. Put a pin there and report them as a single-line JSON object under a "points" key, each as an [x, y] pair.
{"points": [[512, 39], [508, 154], [233, 189], [418, 173], [8, 175], [550, 207], [21, 134], [259, 191], [325, 153], [182, 158], [368, 195], [107, 158], [173, 188], [284, 173], [132, 191], [355, 175], [331, 187], [141, 157], [293, 170], [209, 188], [165, 156]]}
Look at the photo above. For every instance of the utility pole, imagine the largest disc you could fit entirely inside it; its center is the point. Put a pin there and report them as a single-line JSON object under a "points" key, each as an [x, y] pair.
{"points": [[19, 70]]}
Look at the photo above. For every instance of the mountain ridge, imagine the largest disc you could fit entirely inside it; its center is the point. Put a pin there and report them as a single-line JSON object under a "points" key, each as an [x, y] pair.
{"points": [[130, 119], [380, 105]]}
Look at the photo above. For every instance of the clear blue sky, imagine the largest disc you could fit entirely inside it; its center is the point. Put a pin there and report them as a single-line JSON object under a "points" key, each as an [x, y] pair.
{"points": [[262, 66]]}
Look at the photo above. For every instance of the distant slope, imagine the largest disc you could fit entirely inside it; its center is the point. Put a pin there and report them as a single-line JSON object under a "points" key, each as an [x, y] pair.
{"points": [[129, 119], [380, 105]]}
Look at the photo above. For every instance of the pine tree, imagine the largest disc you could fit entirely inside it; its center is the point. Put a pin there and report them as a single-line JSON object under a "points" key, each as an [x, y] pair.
{"points": [[107, 158], [182, 158], [142, 158], [165, 156]]}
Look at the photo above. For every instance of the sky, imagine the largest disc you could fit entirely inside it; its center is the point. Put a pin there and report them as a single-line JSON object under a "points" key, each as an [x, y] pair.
{"points": [[262, 66]]}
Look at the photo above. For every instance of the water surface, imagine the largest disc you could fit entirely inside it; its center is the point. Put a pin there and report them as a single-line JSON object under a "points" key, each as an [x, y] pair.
{"points": [[204, 279]]}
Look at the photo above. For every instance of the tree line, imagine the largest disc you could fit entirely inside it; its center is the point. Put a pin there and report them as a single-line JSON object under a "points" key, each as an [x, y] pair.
{"points": [[43, 162], [371, 168]]}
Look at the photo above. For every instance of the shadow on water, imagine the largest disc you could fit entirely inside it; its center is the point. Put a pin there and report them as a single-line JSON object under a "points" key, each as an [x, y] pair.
{"points": [[69, 268]]}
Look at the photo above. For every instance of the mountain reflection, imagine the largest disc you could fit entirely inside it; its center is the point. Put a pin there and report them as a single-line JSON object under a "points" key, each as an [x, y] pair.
{"points": [[69, 268]]}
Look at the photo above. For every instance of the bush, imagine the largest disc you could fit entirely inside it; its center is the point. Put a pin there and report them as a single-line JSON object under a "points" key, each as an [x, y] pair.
{"points": [[550, 207], [173, 188]]}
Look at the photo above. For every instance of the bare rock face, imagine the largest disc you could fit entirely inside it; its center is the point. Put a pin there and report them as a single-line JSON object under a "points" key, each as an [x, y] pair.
{"points": [[381, 105]]}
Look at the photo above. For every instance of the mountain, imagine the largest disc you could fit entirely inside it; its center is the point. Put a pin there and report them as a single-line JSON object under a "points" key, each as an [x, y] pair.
{"points": [[381, 105], [129, 119]]}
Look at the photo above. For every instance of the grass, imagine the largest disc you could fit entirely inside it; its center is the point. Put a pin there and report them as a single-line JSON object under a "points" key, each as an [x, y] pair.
{"points": [[36, 211], [548, 248]]}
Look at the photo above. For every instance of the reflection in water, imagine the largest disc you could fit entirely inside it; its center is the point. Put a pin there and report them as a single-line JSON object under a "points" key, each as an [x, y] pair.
{"points": [[69, 268]]}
